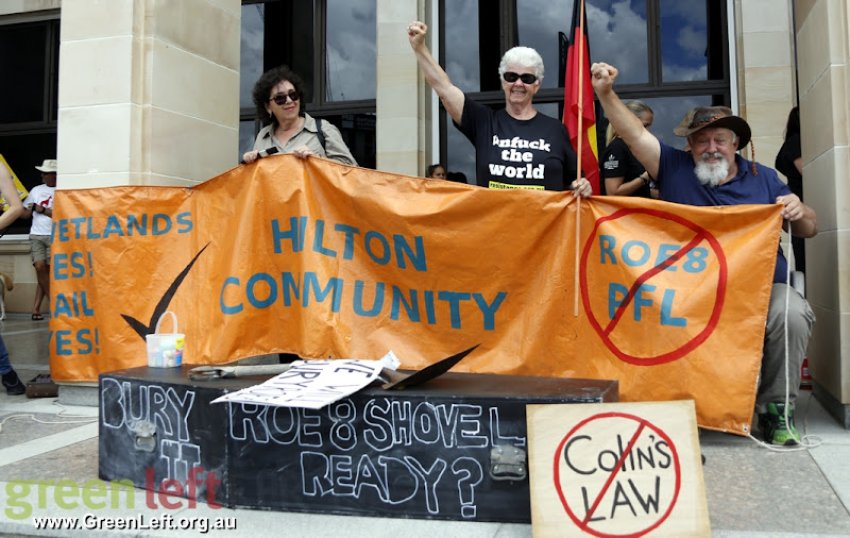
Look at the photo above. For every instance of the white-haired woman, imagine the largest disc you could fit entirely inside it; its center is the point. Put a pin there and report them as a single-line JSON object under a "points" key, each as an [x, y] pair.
{"points": [[515, 147]]}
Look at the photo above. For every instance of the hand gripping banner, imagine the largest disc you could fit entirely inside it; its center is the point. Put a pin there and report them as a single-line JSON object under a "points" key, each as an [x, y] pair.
{"points": [[325, 260]]}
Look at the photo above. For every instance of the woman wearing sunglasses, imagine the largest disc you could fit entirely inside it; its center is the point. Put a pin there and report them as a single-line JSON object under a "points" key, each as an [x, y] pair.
{"points": [[277, 96], [516, 147]]}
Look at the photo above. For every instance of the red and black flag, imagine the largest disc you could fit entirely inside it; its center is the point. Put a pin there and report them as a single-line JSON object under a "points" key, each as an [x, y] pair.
{"points": [[579, 113]]}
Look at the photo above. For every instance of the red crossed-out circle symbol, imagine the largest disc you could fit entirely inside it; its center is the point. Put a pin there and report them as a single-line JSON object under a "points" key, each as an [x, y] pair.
{"points": [[584, 430], [700, 235]]}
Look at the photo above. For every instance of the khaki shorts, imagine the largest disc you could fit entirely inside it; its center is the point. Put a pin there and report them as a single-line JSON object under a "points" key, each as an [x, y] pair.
{"points": [[40, 245]]}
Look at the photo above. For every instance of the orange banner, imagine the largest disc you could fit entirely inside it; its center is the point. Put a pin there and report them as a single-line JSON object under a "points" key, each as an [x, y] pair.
{"points": [[326, 260]]}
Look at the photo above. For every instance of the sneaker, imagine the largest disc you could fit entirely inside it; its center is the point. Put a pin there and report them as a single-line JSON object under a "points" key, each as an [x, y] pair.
{"points": [[13, 384], [774, 428]]}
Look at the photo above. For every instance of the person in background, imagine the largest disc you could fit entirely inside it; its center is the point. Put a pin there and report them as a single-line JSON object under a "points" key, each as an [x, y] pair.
{"points": [[713, 174], [36, 304], [789, 161], [457, 177], [278, 97], [515, 147], [624, 175], [38, 205], [11, 382], [436, 171]]}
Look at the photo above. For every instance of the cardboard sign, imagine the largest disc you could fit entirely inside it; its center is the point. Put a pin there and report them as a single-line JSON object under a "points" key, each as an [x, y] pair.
{"points": [[325, 260], [616, 470]]}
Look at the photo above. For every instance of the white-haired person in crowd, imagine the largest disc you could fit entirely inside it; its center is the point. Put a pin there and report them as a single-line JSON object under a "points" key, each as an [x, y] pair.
{"points": [[517, 146], [713, 174]]}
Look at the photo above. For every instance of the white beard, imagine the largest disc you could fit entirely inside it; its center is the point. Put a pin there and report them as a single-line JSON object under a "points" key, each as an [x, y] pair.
{"points": [[711, 174]]}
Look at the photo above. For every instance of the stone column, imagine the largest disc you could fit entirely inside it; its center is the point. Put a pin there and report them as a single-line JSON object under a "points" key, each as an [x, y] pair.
{"points": [[148, 95], [767, 71], [148, 91], [767, 76], [823, 43], [404, 100]]}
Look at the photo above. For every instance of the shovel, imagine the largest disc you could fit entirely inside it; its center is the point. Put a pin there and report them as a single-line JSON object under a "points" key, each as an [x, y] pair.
{"points": [[398, 381]]}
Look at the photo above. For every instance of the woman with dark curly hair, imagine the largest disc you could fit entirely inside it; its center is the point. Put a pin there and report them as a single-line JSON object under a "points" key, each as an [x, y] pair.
{"points": [[277, 96]]}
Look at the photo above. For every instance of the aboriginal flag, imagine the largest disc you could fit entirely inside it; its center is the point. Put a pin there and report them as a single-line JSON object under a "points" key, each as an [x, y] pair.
{"points": [[578, 98]]}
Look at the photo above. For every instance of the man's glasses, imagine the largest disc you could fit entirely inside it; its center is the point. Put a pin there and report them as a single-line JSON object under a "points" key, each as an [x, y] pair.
{"points": [[526, 78], [281, 98]]}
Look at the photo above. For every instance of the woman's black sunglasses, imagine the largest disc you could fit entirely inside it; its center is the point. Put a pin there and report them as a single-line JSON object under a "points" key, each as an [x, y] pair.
{"points": [[526, 78], [281, 98]]}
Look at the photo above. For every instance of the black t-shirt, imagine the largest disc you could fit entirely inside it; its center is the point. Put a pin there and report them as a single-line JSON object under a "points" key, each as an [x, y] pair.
{"points": [[618, 161], [518, 154], [790, 151]]}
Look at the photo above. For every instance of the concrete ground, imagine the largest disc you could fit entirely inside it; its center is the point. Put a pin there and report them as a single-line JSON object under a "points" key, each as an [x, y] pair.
{"points": [[47, 450]]}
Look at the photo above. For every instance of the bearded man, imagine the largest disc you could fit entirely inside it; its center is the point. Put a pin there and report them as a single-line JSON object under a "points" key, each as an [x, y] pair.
{"points": [[712, 173]]}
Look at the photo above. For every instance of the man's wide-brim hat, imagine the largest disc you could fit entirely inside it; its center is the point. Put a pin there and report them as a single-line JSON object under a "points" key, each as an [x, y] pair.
{"points": [[48, 166], [716, 117]]}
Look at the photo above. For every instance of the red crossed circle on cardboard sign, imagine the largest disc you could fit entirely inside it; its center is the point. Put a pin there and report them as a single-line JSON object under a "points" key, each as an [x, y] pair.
{"points": [[700, 235], [587, 426]]}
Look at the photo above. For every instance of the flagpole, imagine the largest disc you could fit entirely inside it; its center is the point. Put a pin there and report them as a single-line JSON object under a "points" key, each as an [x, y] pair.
{"points": [[576, 289], [580, 103], [579, 81]]}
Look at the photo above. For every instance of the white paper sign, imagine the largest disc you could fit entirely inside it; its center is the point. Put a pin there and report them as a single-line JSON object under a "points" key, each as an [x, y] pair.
{"points": [[310, 384]]}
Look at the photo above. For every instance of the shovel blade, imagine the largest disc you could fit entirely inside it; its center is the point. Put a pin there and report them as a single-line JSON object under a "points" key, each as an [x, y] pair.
{"points": [[429, 372]]}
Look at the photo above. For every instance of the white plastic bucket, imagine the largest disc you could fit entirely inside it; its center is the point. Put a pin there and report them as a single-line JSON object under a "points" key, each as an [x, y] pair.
{"points": [[165, 350]]}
